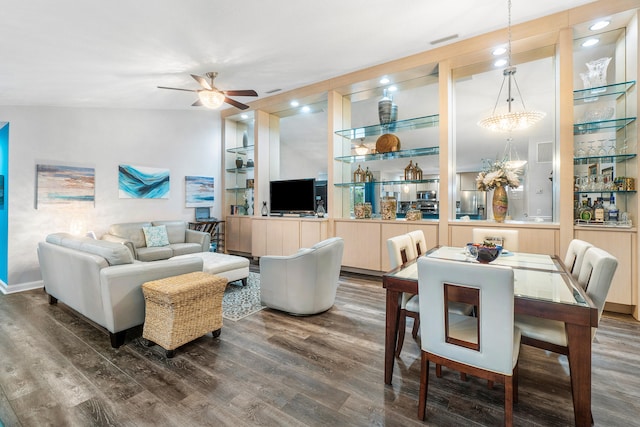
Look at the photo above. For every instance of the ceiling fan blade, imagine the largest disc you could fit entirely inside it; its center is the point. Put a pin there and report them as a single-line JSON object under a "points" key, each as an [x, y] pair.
{"points": [[235, 103], [175, 88], [240, 92], [201, 80], [198, 103]]}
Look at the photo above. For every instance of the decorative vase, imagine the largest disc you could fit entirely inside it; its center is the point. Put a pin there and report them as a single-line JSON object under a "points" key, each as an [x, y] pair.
{"points": [[264, 211], [500, 204], [245, 139], [387, 110], [239, 162], [388, 206]]}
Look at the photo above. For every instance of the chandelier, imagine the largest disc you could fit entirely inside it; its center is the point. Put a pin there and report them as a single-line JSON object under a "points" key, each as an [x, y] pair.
{"points": [[512, 119]]}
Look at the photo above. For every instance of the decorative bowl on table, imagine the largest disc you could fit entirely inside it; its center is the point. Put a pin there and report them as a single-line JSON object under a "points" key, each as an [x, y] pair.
{"points": [[487, 254]]}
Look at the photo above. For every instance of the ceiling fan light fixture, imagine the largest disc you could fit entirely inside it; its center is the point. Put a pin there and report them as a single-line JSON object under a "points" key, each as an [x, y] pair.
{"points": [[211, 98]]}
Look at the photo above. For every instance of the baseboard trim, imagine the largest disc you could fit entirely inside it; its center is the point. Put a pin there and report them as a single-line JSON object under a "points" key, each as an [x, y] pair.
{"points": [[22, 287]]}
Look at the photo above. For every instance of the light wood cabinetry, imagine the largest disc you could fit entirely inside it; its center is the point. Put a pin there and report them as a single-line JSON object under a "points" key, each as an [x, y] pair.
{"points": [[361, 244], [284, 236], [238, 234], [621, 244]]}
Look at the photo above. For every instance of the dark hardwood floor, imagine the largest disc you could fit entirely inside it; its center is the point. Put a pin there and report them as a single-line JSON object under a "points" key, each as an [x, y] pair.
{"points": [[272, 369]]}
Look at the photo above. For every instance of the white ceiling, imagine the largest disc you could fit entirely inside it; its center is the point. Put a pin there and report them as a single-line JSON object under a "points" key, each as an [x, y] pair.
{"points": [[115, 53]]}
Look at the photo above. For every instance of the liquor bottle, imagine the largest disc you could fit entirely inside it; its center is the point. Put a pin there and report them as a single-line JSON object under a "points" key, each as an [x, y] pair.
{"points": [[598, 210], [613, 209], [586, 213]]}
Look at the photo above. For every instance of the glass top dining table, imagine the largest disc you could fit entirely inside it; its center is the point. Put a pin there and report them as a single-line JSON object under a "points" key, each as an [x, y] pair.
{"points": [[543, 288]]}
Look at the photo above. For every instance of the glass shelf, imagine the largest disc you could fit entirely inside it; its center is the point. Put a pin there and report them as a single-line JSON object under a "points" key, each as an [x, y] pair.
{"points": [[399, 182], [592, 127], [605, 191], [416, 152], [591, 95], [618, 158], [240, 150], [240, 170], [236, 189], [397, 126]]}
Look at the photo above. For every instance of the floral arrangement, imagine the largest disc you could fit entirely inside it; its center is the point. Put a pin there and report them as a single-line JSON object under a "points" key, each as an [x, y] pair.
{"points": [[497, 175]]}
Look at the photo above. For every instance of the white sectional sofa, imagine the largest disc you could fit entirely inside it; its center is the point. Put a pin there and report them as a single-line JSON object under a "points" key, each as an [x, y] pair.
{"points": [[101, 280]]}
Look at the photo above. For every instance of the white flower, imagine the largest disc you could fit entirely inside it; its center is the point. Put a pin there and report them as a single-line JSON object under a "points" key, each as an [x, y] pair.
{"points": [[498, 175]]}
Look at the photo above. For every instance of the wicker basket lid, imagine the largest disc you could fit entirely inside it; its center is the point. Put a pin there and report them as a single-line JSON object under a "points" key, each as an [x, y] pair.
{"points": [[387, 143]]}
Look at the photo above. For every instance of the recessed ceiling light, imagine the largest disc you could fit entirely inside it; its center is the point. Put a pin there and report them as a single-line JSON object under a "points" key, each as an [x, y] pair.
{"points": [[244, 116], [500, 62], [384, 80], [294, 103], [306, 109], [392, 88], [590, 42], [599, 25], [499, 51]]}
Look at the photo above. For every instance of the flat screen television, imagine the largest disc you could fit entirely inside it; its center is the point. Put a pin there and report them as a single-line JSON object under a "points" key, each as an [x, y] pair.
{"points": [[296, 196]]}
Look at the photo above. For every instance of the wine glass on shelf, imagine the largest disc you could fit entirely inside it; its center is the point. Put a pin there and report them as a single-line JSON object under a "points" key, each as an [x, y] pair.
{"points": [[623, 148], [602, 150], [612, 147], [591, 151], [580, 151]]}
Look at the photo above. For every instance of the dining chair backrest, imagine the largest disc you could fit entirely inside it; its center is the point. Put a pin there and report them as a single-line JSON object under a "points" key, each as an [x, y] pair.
{"points": [[508, 238], [596, 275], [492, 289], [400, 250], [575, 255], [419, 241]]}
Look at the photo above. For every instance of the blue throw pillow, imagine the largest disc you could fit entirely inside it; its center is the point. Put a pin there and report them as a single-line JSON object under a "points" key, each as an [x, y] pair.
{"points": [[156, 236]]}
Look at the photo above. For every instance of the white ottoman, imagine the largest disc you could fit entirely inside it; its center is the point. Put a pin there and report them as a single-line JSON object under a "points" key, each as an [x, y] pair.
{"points": [[230, 267]]}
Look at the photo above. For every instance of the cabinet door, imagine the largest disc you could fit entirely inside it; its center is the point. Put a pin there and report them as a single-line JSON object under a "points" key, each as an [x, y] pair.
{"points": [[361, 244], [620, 245], [245, 234], [258, 237], [312, 232], [233, 233]]}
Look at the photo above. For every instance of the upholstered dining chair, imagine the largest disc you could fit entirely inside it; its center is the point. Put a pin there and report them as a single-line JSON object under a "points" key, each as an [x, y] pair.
{"points": [[508, 238], [486, 346], [575, 255], [419, 241], [402, 249], [596, 274]]}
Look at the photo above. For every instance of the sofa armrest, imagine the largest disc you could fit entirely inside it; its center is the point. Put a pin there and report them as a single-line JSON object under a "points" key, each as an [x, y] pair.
{"points": [[200, 237], [128, 243], [121, 288]]}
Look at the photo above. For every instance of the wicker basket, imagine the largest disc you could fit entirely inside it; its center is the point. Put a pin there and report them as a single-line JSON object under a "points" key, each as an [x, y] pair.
{"points": [[182, 308]]}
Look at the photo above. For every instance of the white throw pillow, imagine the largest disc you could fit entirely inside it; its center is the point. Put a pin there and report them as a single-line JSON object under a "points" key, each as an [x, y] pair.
{"points": [[156, 236]]}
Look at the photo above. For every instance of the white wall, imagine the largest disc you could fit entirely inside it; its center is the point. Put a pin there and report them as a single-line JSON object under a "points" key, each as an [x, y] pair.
{"points": [[187, 142]]}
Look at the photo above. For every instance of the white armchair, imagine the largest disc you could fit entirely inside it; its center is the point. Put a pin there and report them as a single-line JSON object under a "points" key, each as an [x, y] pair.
{"points": [[303, 283]]}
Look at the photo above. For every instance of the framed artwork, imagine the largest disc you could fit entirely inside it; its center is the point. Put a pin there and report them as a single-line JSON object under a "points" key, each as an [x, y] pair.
{"points": [[199, 191], [136, 182], [64, 185]]}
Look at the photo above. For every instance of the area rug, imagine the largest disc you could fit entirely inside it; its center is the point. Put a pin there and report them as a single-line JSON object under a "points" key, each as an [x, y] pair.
{"points": [[240, 301]]}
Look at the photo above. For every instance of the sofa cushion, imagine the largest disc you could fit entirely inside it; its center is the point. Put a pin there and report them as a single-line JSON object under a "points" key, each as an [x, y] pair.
{"points": [[155, 253], [131, 231], [156, 236], [175, 230], [113, 253], [185, 248]]}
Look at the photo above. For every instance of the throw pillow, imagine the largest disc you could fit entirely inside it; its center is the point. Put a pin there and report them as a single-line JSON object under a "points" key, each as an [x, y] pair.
{"points": [[156, 236]]}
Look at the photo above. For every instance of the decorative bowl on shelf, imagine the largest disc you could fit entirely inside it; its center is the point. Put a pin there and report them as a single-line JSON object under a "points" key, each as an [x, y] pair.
{"points": [[387, 143]]}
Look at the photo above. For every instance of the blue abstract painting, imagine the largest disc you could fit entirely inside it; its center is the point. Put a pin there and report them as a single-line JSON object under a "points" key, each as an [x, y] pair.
{"points": [[64, 185], [199, 191], [135, 182]]}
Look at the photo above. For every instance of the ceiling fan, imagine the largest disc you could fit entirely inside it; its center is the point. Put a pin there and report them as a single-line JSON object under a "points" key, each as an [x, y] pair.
{"points": [[212, 97]]}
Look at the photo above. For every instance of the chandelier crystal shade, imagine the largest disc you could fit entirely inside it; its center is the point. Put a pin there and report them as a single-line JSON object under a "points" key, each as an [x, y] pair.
{"points": [[211, 98], [512, 119]]}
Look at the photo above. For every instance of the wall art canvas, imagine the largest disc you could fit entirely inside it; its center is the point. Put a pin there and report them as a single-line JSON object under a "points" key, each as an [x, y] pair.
{"points": [[136, 182], [64, 185], [199, 191]]}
